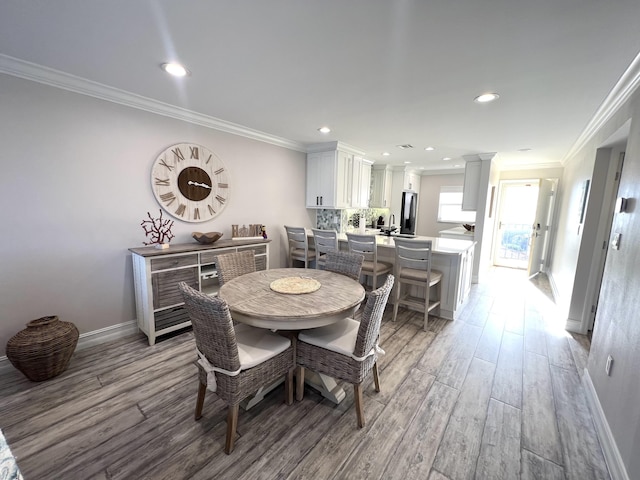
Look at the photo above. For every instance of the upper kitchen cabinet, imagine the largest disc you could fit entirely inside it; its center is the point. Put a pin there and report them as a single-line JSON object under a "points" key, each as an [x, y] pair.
{"points": [[411, 181], [381, 181], [472, 170], [361, 181], [335, 176]]}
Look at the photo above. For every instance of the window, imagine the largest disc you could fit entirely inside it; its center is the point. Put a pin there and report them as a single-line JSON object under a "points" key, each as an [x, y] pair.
{"points": [[450, 207]]}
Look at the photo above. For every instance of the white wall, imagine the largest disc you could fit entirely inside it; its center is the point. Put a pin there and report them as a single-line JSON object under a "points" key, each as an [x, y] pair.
{"points": [[429, 197], [75, 185]]}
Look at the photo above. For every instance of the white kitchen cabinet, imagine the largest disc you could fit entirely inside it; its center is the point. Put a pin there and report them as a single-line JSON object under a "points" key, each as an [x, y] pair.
{"points": [[328, 180], [381, 183], [335, 176], [361, 181], [411, 181], [472, 170]]}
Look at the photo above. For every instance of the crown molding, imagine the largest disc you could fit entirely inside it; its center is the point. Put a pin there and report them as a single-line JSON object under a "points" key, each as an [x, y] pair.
{"points": [[56, 78], [618, 95], [528, 166], [335, 145]]}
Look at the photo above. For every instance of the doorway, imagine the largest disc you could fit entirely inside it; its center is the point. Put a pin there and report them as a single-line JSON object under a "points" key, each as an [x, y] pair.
{"points": [[517, 203]]}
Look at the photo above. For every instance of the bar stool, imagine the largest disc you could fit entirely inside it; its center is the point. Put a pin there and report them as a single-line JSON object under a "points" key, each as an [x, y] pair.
{"points": [[366, 246], [325, 241], [299, 246], [413, 267]]}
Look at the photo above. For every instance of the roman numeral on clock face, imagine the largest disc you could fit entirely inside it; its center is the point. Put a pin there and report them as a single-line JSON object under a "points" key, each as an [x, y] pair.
{"points": [[194, 152], [163, 182], [165, 164], [196, 214], [219, 171], [221, 199], [208, 159], [181, 209], [223, 185], [168, 198], [178, 154], [211, 210]]}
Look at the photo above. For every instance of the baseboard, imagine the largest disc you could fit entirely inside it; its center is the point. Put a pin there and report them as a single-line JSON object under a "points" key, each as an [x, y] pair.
{"points": [[107, 334], [552, 284], [612, 456], [95, 337], [574, 326]]}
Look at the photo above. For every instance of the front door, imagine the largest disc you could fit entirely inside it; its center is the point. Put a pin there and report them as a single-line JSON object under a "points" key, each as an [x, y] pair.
{"points": [[541, 225], [517, 204]]}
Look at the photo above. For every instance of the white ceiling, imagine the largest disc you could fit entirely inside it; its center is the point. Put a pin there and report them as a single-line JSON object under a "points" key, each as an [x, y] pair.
{"points": [[379, 73]]}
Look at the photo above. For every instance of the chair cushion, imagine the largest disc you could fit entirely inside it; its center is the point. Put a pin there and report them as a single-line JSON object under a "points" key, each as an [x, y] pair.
{"points": [[381, 267], [256, 345], [299, 253], [339, 337], [419, 275]]}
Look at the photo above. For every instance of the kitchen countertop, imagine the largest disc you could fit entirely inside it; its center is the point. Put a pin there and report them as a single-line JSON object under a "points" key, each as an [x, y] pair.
{"points": [[458, 231], [440, 245]]}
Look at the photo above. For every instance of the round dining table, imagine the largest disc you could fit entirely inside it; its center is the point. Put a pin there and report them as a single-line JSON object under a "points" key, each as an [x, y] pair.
{"points": [[253, 301]]}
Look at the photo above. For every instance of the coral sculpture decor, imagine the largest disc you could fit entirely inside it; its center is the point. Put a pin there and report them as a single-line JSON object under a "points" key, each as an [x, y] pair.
{"points": [[157, 230]]}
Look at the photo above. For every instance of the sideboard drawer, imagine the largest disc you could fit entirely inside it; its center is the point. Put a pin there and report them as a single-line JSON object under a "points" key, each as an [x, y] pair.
{"points": [[173, 262], [258, 249], [207, 257], [165, 285]]}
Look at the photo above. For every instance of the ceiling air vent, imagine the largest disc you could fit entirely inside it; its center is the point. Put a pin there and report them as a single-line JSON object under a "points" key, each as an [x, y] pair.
{"points": [[405, 146]]}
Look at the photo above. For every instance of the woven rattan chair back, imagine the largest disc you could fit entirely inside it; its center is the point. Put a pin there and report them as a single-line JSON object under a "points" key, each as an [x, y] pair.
{"points": [[212, 328], [298, 246], [349, 368], [325, 241], [216, 340], [346, 263], [232, 265], [413, 267], [369, 330]]}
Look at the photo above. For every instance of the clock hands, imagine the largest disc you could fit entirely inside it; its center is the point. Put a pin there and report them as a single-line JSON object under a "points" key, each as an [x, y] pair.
{"points": [[198, 184]]}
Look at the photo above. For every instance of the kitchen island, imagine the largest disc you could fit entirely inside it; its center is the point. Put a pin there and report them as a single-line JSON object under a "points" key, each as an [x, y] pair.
{"points": [[454, 258]]}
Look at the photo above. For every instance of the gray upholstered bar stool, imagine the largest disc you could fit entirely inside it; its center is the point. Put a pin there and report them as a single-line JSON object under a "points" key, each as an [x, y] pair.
{"points": [[299, 246], [366, 246], [413, 267], [325, 241]]}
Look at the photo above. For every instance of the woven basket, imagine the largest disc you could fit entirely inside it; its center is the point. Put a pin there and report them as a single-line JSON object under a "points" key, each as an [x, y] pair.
{"points": [[43, 349]]}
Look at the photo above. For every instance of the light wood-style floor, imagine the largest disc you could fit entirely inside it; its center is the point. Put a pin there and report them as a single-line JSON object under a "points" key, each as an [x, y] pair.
{"points": [[496, 394]]}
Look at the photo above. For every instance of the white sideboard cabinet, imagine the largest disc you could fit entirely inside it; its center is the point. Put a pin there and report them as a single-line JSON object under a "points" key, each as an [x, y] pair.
{"points": [[157, 273]]}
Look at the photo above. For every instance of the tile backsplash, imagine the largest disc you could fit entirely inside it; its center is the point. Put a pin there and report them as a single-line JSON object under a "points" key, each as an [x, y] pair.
{"points": [[346, 220]]}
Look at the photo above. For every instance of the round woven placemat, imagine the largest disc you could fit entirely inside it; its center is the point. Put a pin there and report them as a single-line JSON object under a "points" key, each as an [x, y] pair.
{"points": [[295, 285]]}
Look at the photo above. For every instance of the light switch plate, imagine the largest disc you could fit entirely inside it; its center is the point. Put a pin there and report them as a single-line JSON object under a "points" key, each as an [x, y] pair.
{"points": [[615, 243]]}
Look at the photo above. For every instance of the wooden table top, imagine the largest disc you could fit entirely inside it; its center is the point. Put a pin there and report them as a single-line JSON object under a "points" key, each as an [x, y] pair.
{"points": [[252, 301]]}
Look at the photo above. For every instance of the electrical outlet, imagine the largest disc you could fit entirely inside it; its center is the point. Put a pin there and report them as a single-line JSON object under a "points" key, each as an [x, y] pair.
{"points": [[607, 367]]}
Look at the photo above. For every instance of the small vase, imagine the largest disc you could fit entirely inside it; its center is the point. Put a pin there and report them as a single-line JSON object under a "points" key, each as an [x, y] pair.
{"points": [[43, 349]]}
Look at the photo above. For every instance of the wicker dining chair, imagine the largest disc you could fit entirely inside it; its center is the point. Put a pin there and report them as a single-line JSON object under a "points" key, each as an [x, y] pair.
{"points": [[299, 246], [349, 264], [232, 265], [413, 268], [234, 362], [366, 245], [346, 350], [325, 241]]}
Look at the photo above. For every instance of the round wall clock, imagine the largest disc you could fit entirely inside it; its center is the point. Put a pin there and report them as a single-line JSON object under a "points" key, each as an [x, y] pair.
{"points": [[190, 182]]}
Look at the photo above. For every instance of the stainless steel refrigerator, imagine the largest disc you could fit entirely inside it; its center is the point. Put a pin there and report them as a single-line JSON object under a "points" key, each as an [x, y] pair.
{"points": [[408, 212]]}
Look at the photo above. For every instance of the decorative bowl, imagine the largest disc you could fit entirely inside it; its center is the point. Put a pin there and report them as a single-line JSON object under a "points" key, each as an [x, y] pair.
{"points": [[206, 238], [469, 228]]}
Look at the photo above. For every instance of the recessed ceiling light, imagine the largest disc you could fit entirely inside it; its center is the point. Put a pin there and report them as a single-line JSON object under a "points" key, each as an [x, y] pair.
{"points": [[385, 154], [324, 129], [407, 162], [446, 158], [175, 69], [486, 97], [429, 149], [457, 165]]}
